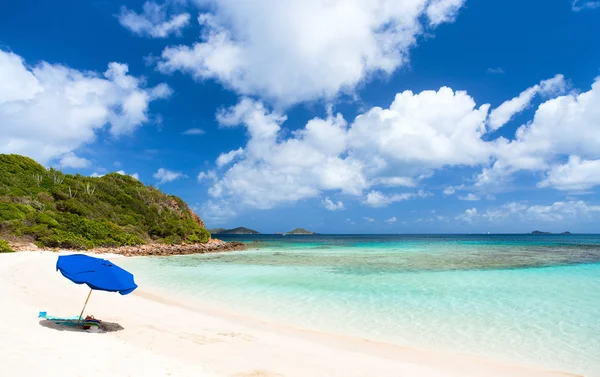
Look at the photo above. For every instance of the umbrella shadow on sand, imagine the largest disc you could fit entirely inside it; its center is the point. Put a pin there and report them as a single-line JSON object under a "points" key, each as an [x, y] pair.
{"points": [[104, 326]]}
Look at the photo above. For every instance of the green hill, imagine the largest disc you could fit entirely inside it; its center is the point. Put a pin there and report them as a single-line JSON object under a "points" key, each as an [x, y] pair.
{"points": [[238, 230], [54, 209], [300, 231]]}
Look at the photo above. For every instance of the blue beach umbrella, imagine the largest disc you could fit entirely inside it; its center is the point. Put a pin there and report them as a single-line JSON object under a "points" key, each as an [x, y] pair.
{"points": [[96, 273]]}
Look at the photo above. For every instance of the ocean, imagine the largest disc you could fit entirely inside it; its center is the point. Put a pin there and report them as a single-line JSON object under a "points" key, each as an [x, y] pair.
{"points": [[532, 300]]}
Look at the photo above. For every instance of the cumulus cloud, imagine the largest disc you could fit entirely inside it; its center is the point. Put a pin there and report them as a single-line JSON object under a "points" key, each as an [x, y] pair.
{"points": [[579, 5], [429, 129], [469, 197], [562, 126], [71, 160], [391, 220], [378, 199], [369, 219], [497, 71], [555, 212], [575, 175], [209, 175], [330, 205], [451, 190], [227, 158], [402, 145], [441, 11], [154, 21], [216, 212], [164, 175], [194, 131], [48, 111], [468, 216], [293, 51], [503, 113], [122, 172]]}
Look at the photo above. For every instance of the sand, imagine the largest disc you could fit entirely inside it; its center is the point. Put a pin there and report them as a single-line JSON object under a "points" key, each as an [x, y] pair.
{"points": [[164, 336]]}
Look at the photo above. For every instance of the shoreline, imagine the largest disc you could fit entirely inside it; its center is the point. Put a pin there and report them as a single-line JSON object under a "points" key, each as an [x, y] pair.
{"points": [[455, 361], [153, 249], [203, 338]]}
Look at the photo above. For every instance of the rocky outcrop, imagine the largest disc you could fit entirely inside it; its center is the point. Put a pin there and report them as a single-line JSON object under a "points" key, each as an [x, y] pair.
{"points": [[197, 219], [212, 246]]}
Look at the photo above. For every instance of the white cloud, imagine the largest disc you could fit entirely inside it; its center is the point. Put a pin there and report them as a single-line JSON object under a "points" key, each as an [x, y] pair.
{"points": [[153, 21], [71, 160], [227, 158], [378, 199], [50, 110], [562, 126], [575, 175], [395, 181], [273, 170], [330, 205], [468, 216], [369, 219], [391, 220], [194, 131], [417, 133], [451, 190], [579, 5], [555, 212], [497, 71], [297, 50], [210, 175], [400, 146], [164, 175], [216, 212], [469, 197], [122, 172], [441, 11], [96, 175], [503, 113], [430, 129]]}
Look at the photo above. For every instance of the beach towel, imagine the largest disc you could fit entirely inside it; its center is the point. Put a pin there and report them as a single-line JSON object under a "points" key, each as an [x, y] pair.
{"points": [[69, 321]]}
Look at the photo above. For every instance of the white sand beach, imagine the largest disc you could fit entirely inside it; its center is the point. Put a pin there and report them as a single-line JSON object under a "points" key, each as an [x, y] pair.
{"points": [[163, 336]]}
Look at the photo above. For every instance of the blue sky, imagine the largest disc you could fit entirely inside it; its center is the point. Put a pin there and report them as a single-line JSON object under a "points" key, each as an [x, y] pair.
{"points": [[401, 116]]}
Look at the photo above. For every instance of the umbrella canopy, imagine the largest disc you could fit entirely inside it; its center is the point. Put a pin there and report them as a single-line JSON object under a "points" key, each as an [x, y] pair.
{"points": [[97, 273]]}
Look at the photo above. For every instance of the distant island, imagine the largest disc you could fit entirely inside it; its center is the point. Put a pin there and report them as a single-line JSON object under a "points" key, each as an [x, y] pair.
{"points": [[299, 231], [238, 230], [538, 232]]}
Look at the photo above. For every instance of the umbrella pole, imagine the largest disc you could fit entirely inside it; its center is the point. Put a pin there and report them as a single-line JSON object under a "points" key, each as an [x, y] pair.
{"points": [[84, 305]]}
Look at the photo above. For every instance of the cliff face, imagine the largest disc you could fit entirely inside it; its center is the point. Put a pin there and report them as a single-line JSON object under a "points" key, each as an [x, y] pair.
{"points": [[197, 219]]}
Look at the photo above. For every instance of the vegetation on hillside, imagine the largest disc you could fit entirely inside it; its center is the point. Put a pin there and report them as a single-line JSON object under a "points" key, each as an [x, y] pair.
{"points": [[79, 212], [5, 247], [300, 231]]}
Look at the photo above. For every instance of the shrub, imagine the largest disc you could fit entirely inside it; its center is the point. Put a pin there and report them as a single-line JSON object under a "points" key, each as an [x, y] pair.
{"points": [[73, 206], [5, 247], [10, 211], [172, 240], [44, 197], [66, 240]]}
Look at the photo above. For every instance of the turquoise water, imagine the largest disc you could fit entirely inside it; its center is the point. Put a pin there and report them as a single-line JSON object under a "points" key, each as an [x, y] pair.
{"points": [[532, 300]]}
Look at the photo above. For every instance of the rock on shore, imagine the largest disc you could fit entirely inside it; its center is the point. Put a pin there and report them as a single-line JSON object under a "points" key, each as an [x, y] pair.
{"points": [[212, 246], [157, 249]]}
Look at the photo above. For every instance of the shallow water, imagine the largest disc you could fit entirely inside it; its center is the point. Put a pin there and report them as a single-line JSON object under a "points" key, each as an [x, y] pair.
{"points": [[533, 300]]}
